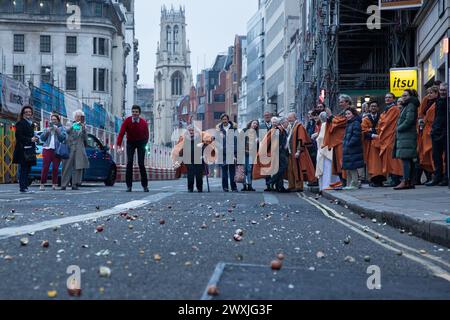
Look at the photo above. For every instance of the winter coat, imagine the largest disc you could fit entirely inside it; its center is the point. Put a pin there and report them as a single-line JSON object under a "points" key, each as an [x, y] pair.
{"points": [[439, 128], [60, 135], [24, 134], [353, 147], [77, 141], [406, 139], [222, 137]]}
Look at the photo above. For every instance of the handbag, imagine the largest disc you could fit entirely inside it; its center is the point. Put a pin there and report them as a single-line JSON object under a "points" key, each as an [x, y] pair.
{"points": [[29, 154], [239, 177], [62, 151]]}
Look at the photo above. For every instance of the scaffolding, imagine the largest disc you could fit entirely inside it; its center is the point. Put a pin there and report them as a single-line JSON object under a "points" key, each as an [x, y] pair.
{"points": [[340, 54]]}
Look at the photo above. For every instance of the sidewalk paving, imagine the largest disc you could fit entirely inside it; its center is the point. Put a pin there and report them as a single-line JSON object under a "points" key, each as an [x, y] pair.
{"points": [[423, 211]]}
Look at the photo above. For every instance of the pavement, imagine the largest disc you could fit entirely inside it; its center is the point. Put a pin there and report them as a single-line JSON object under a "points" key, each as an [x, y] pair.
{"points": [[172, 245], [423, 211]]}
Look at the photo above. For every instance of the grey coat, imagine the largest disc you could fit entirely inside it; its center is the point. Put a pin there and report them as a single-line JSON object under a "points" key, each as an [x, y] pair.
{"points": [[77, 141]]}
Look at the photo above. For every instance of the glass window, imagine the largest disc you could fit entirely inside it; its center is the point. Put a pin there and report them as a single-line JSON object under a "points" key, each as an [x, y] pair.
{"points": [[219, 98], [98, 9], [101, 46], [71, 44], [19, 73], [46, 74], [177, 84], [101, 79], [19, 43], [44, 7], [71, 78], [46, 44], [217, 115], [18, 6]]}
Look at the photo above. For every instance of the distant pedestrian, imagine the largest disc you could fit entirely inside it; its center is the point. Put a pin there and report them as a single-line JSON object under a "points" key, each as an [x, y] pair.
{"points": [[136, 129], [406, 139], [25, 148], [78, 159], [353, 158], [251, 150], [227, 130], [52, 137], [439, 138], [266, 126]]}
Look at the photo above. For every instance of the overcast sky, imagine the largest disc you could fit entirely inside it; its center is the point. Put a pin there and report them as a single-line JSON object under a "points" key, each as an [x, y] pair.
{"points": [[211, 27]]}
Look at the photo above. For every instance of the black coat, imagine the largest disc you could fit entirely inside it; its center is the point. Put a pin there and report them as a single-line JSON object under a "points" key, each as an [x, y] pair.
{"points": [[24, 134], [353, 147], [439, 128]]}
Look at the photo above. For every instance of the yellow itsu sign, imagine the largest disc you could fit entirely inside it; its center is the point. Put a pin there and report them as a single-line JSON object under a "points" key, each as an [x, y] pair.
{"points": [[402, 79]]}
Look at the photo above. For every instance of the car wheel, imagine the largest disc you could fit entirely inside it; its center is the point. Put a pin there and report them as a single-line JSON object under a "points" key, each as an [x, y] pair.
{"points": [[111, 180]]}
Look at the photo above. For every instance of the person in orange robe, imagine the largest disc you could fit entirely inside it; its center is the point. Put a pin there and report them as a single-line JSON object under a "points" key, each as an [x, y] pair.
{"points": [[372, 146], [424, 143], [300, 165], [387, 126], [334, 138]]}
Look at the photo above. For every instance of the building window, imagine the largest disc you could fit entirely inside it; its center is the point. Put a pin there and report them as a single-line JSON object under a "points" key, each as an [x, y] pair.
{"points": [[175, 39], [169, 37], [441, 8], [177, 84], [98, 9], [46, 44], [71, 78], [46, 73], [219, 98], [18, 6], [100, 80], [217, 115], [19, 43], [19, 73], [44, 7], [101, 47], [71, 44], [235, 98], [200, 116]]}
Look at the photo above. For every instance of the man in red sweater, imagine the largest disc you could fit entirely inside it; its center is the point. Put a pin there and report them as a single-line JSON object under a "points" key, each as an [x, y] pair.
{"points": [[136, 129]]}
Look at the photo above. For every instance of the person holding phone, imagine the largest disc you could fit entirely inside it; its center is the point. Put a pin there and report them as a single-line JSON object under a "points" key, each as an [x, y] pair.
{"points": [[51, 137], [78, 160]]}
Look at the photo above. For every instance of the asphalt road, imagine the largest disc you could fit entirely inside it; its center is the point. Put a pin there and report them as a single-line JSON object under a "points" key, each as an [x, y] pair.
{"points": [[170, 244]]}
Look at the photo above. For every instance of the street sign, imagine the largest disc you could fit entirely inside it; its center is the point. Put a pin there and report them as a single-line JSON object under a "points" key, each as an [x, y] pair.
{"points": [[399, 4], [402, 79]]}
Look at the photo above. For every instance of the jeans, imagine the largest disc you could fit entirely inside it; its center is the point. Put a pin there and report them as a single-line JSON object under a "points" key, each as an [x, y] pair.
{"points": [[439, 148], [195, 172], [24, 171], [131, 149], [408, 169], [228, 170], [49, 157], [248, 171]]}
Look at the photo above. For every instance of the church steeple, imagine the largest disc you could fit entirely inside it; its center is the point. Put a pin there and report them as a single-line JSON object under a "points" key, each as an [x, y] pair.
{"points": [[173, 76]]}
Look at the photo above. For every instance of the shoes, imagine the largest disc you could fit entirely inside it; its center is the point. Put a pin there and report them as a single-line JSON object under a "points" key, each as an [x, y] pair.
{"points": [[245, 188], [444, 183], [375, 185], [26, 191], [129, 190], [63, 188], [235, 191], [433, 183], [42, 188], [226, 190], [75, 188], [250, 188], [190, 190], [282, 190], [405, 185], [55, 186], [350, 188], [146, 189]]}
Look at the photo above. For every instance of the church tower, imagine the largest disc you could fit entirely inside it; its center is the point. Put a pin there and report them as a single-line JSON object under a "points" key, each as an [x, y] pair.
{"points": [[173, 75]]}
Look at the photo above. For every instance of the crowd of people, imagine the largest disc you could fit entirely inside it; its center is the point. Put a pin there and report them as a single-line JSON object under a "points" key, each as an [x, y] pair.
{"points": [[396, 144]]}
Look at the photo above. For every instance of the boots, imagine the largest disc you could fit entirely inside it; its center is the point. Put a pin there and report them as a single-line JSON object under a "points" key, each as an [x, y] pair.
{"points": [[245, 188], [250, 188]]}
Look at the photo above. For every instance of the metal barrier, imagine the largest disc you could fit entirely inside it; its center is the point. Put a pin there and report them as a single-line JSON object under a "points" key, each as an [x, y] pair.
{"points": [[8, 171]]}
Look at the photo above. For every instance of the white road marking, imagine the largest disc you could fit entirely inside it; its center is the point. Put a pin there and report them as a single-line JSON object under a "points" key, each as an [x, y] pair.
{"points": [[6, 233], [271, 199], [214, 280], [435, 270]]}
